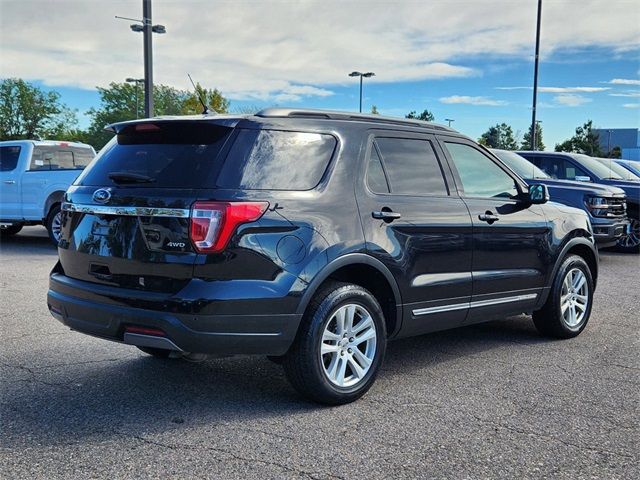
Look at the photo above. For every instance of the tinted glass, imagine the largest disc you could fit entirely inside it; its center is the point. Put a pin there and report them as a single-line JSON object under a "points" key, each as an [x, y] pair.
{"points": [[595, 166], [619, 169], [172, 154], [9, 158], [82, 157], [276, 160], [376, 179], [520, 165], [40, 159], [412, 166], [561, 168], [62, 160], [480, 176]]}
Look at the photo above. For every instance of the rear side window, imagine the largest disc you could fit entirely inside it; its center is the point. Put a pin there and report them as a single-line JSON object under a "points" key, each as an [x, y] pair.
{"points": [[276, 160], [411, 166], [170, 154], [9, 158]]}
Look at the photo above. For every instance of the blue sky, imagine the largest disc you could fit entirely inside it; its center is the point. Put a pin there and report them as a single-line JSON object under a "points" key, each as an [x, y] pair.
{"points": [[467, 60]]}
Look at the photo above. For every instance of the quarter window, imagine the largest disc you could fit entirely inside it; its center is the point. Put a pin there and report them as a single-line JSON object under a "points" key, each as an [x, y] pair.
{"points": [[480, 176], [376, 179], [411, 166]]}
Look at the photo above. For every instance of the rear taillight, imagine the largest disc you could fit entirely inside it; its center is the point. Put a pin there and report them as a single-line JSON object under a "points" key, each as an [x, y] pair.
{"points": [[213, 223]]}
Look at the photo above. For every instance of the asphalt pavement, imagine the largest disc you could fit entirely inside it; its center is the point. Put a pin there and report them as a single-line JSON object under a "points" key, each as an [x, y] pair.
{"points": [[487, 401]]}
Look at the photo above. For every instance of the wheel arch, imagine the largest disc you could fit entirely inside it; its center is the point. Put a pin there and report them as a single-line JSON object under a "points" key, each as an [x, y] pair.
{"points": [[53, 198], [368, 272]]}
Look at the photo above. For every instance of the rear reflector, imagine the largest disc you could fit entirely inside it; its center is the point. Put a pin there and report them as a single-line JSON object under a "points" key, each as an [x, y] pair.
{"points": [[213, 223], [144, 330]]}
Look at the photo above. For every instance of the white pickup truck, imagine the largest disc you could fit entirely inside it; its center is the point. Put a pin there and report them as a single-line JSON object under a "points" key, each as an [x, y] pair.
{"points": [[33, 178]]}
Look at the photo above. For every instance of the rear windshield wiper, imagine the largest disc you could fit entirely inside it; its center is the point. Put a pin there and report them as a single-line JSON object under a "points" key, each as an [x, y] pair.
{"points": [[128, 177]]}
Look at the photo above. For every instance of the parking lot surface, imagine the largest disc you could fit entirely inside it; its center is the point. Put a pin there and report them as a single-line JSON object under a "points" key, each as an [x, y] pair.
{"points": [[487, 401]]}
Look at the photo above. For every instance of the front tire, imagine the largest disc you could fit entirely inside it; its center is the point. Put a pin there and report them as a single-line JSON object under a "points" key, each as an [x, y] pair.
{"points": [[629, 242], [340, 345], [54, 224], [568, 307]]}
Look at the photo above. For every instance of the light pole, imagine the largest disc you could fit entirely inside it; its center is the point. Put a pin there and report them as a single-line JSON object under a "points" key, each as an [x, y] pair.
{"points": [[449, 120], [609, 144], [137, 81], [361, 75], [147, 28], [535, 79]]}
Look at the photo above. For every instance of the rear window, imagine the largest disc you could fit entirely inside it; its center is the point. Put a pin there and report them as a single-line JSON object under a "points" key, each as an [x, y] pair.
{"points": [[172, 154], [276, 160], [60, 158], [9, 158]]}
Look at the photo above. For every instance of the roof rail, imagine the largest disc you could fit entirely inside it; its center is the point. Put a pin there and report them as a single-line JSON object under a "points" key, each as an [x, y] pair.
{"points": [[348, 116]]}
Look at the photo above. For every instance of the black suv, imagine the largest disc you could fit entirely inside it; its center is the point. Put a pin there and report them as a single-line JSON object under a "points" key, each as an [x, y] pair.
{"points": [[312, 237]]}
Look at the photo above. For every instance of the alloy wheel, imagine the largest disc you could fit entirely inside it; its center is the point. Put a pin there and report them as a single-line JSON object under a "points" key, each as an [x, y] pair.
{"points": [[56, 226], [348, 345], [631, 238], [574, 298]]}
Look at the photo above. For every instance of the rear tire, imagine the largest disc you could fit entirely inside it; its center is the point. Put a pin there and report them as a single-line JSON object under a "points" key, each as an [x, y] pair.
{"points": [[568, 307], [339, 347], [156, 352], [53, 224], [10, 231]]}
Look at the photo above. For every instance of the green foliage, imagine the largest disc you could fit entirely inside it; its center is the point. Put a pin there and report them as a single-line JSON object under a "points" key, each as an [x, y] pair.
{"points": [[526, 139], [118, 103], [374, 110], [499, 136], [426, 115], [585, 141], [616, 152], [28, 112]]}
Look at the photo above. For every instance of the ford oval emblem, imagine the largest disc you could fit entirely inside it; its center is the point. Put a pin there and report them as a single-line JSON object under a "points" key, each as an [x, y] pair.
{"points": [[102, 195]]}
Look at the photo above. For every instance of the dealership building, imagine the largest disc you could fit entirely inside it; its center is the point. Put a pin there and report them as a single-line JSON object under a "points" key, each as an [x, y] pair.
{"points": [[628, 139]]}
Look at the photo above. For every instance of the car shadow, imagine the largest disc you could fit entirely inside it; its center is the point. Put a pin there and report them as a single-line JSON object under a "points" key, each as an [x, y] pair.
{"points": [[29, 240], [147, 395]]}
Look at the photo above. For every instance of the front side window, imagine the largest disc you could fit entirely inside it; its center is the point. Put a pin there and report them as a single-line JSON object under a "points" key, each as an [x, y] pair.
{"points": [[561, 169], [480, 176], [276, 160], [9, 158], [411, 166]]}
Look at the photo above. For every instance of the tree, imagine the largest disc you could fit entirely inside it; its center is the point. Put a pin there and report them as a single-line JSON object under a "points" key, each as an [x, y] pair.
{"points": [[526, 139], [27, 111], [616, 152], [585, 141], [499, 136], [124, 101], [213, 98], [374, 110], [426, 115]]}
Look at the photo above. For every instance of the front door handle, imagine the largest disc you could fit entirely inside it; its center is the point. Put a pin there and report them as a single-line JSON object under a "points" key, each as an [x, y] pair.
{"points": [[488, 217], [386, 215], [10, 182]]}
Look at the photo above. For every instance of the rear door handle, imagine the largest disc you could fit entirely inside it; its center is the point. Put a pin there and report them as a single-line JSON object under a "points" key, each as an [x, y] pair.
{"points": [[488, 217], [386, 215]]}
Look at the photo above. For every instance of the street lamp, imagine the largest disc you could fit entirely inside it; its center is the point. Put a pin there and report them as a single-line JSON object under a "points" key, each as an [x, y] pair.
{"points": [[147, 28], [449, 120], [535, 80], [361, 75], [137, 81]]}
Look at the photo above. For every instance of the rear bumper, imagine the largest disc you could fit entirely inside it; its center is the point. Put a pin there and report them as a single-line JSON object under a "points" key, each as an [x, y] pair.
{"points": [[606, 234], [270, 334]]}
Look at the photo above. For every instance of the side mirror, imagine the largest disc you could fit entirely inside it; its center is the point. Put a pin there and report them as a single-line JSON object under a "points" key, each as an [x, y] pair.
{"points": [[538, 193]]}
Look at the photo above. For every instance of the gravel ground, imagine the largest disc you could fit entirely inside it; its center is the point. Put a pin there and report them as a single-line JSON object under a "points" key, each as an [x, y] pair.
{"points": [[487, 401]]}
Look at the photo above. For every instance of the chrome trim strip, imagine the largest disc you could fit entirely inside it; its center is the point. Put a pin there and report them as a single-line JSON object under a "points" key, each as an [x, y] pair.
{"points": [[476, 304], [440, 279], [126, 211]]}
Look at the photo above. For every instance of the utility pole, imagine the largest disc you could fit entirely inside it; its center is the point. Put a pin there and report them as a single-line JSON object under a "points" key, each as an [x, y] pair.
{"points": [[148, 58], [535, 81]]}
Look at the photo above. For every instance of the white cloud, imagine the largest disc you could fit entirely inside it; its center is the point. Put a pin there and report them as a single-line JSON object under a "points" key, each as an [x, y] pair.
{"points": [[464, 99], [265, 50], [571, 100], [631, 105], [559, 89], [624, 81], [626, 94]]}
